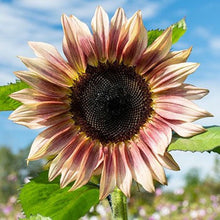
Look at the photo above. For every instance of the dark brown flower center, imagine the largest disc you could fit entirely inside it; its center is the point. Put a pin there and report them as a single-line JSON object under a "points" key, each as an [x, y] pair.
{"points": [[110, 102]]}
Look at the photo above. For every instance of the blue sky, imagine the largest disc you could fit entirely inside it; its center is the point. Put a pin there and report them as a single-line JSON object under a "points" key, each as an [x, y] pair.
{"points": [[29, 20]]}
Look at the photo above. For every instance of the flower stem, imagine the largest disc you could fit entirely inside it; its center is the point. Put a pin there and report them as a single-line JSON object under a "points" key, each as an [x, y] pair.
{"points": [[119, 205]]}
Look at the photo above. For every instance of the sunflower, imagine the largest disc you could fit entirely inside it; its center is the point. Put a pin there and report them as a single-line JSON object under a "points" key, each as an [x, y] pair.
{"points": [[110, 108]]}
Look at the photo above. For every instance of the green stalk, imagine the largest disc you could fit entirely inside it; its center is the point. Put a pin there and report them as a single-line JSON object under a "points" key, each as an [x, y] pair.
{"points": [[119, 205]]}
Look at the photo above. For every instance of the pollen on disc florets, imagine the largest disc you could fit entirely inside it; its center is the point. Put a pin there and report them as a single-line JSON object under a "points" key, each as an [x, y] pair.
{"points": [[110, 102]]}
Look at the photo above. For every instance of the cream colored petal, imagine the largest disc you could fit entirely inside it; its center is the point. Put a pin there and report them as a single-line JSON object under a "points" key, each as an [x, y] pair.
{"points": [[182, 128], [155, 52], [47, 71], [42, 86], [139, 169], [123, 173], [31, 96], [108, 178], [186, 91], [85, 40], [152, 162], [50, 53], [100, 28], [52, 141], [178, 108], [167, 161], [87, 165], [71, 45], [157, 135], [137, 40], [172, 76], [117, 22]]}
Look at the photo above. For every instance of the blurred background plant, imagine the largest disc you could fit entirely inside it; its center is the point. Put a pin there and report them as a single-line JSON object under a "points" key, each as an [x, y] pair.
{"points": [[197, 199]]}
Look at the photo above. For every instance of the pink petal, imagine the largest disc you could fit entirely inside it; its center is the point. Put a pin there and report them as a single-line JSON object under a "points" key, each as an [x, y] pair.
{"points": [[100, 28], [139, 169], [123, 174], [155, 52], [117, 21], [157, 135], [186, 91], [52, 140], [152, 162], [47, 71], [88, 165], [86, 40], [167, 161], [136, 35], [50, 53], [71, 166], [30, 115], [41, 85], [108, 178], [71, 46], [172, 76], [178, 108], [182, 128]]}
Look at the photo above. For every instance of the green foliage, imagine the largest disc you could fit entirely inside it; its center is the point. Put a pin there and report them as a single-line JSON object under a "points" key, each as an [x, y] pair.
{"points": [[48, 199], [179, 30], [207, 141], [6, 103], [37, 217]]}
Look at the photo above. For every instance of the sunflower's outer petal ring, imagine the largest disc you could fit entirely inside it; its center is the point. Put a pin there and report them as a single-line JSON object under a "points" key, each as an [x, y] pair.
{"points": [[186, 91], [139, 169], [178, 108], [88, 165], [108, 178], [136, 35], [41, 85], [117, 22], [52, 140], [100, 28], [183, 129], [172, 76], [50, 53], [155, 52], [167, 161], [31, 96], [71, 46], [85, 40], [157, 135], [57, 163], [152, 162], [71, 166], [123, 174], [31, 115], [47, 71]]}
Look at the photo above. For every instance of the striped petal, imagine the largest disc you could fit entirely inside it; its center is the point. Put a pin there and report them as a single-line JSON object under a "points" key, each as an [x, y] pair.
{"points": [[178, 108], [108, 178], [71, 46], [136, 35], [155, 52], [100, 28], [117, 22], [50, 53], [47, 71], [139, 169], [123, 174]]}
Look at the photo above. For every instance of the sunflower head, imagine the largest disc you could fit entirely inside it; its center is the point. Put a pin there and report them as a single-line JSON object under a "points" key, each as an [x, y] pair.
{"points": [[109, 109]]}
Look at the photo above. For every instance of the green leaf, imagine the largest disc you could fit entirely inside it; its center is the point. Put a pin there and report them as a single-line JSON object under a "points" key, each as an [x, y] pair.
{"points": [[207, 141], [179, 29], [37, 217], [40, 196], [6, 103]]}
